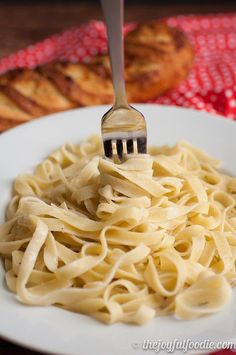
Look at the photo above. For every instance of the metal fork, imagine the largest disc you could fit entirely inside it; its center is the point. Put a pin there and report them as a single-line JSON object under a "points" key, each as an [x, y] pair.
{"points": [[123, 127]]}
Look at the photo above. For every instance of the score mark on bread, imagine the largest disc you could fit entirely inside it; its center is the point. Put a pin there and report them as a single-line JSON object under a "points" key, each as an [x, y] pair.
{"points": [[157, 58]]}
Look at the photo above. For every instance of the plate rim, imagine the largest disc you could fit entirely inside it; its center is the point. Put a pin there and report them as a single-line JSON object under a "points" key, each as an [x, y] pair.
{"points": [[36, 121]]}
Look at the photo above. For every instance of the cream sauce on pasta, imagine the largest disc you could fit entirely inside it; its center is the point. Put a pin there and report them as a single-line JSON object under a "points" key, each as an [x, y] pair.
{"points": [[123, 243]]}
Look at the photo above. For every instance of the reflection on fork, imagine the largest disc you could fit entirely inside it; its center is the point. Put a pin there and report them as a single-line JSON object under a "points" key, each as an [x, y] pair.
{"points": [[123, 127]]}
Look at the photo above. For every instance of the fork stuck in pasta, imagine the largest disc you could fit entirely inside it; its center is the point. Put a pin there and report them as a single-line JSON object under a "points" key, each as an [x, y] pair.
{"points": [[123, 243]]}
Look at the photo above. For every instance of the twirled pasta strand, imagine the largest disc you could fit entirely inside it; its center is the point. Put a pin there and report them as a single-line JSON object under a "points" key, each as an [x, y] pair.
{"points": [[123, 243]]}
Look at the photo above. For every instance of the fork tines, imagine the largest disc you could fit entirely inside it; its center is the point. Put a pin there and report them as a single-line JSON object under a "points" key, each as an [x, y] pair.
{"points": [[121, 147]]}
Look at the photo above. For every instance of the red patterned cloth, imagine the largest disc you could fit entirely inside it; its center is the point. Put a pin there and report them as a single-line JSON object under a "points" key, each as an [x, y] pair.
{"points": [[211, 85]]}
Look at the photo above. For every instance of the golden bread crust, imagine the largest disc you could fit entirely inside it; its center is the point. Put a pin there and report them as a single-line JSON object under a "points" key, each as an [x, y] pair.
{"points": [[160, 57], [33, 85], [80, 84], [157, 58]]}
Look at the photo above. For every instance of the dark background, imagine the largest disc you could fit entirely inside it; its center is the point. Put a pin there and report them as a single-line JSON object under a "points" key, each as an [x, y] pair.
{"points": [[25, 22]]}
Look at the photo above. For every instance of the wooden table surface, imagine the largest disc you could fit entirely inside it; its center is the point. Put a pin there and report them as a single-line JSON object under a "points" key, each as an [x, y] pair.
{"points": [[22, 25]]}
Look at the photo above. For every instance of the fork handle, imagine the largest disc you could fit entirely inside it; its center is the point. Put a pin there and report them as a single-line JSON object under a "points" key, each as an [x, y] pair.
{"points": [[113, 11]]}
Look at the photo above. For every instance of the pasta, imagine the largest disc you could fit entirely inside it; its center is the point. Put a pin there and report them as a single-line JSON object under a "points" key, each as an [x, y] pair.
{"points": [[123, 243]]}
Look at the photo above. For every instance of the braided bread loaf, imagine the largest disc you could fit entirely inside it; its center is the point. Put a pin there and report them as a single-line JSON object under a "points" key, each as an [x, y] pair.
{"points": [[157, 57]]}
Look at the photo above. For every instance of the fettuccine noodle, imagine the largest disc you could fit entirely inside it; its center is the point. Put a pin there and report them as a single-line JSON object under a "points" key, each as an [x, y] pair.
{"points": [[123, 242]]}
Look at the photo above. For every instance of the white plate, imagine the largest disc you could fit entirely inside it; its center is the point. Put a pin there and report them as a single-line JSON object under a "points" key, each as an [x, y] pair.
{"points": [[54, 330]]}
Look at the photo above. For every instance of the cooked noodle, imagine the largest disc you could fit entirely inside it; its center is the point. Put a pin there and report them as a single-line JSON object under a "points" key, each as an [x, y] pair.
{"points": [[123, 243]]}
